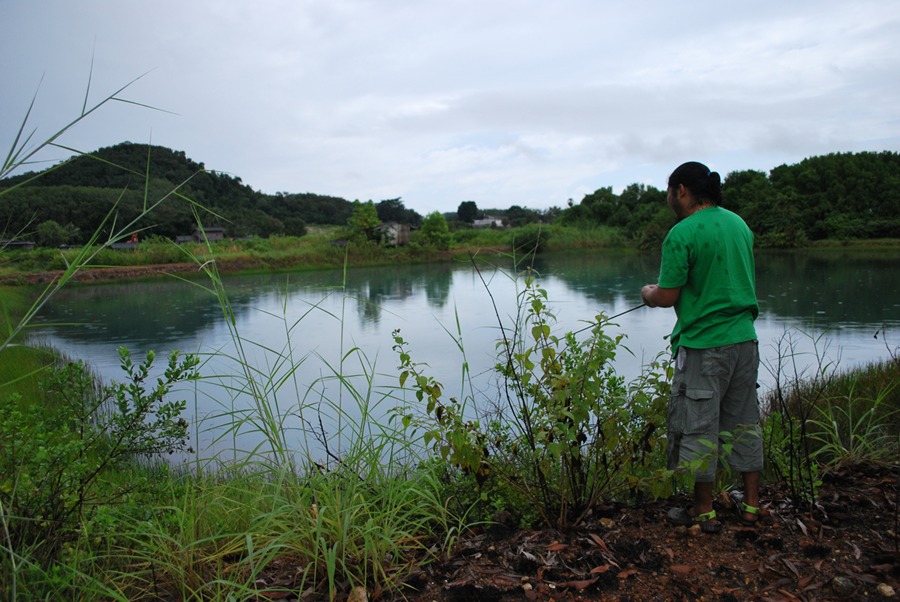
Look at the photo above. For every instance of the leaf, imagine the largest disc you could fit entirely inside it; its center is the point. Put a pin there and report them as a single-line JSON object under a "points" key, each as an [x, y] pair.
{"points": [[791, 566], [557, 547], [599, 570], [583, 584], [627, 573], [529, 556], [682, 569], [815, 585], [276, 595], [599, 541]]}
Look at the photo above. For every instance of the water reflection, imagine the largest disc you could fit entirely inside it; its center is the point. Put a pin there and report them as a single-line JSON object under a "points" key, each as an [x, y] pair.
{"points": [[602, 275], [831, 288], [451, 316]]}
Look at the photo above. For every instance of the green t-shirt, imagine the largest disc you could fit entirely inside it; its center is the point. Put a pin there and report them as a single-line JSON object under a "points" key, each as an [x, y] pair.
{"points": [[709, 255]]}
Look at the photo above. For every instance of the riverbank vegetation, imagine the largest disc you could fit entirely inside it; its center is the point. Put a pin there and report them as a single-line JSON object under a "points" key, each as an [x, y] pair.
{"points": [[323, 247]]}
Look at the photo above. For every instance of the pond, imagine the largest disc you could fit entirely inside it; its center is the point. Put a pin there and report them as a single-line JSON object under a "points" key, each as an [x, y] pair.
{"points": [[317, 346]]}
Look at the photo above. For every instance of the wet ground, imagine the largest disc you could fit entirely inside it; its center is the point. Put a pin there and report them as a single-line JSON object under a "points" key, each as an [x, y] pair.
{"points": [[846, 548]]}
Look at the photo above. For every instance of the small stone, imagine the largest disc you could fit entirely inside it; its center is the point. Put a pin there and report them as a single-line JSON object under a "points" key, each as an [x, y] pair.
{"points": [[607, 523], [842, 586], [358, 595], [527, 587], [886, 591], [695, 530]]}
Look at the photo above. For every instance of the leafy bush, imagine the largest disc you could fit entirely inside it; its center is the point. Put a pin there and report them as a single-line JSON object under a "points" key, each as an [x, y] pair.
{"points": [[529, 239], [56, 453], [434, 232], [569, 432]]}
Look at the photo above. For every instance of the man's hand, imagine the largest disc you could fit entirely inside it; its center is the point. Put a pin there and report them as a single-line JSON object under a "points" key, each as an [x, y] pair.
{"points": [[654, 296]]}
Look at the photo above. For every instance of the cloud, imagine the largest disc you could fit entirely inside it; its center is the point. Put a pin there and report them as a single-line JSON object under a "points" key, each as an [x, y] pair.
{"points": [[527, 103]]}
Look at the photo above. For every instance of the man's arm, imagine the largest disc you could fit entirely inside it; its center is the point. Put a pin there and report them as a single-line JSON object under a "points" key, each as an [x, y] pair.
{"points": [[654, 296]]}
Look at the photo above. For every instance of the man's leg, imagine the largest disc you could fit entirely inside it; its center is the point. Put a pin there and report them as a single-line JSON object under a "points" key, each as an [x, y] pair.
{"points": [[751, 493], [703, 498], [741, 416]]}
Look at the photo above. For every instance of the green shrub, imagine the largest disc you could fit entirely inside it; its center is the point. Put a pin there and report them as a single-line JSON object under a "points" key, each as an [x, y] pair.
{"points": [[56, 453], [434, 232], [529, 239], [569, 434]]}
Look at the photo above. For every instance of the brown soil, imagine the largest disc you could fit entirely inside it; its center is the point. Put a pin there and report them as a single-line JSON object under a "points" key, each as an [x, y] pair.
{"points": [[109, 274], [847, 548]]}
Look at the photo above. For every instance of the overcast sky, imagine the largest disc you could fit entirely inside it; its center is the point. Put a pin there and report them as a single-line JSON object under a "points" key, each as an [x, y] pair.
{"points": [[502, 102]]}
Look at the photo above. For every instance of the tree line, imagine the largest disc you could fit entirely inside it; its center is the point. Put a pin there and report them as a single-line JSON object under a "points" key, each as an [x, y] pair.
{"points": [[835, 196], [840, 195]]}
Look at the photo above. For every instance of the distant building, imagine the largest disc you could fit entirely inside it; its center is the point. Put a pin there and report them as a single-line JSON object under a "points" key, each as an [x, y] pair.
{"points": [[24, 245], [488, 221], [393, 233], [211, 235]]}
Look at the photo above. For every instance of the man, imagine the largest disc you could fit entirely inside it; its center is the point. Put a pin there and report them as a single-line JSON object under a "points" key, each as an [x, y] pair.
{"points": [[707, 275]]}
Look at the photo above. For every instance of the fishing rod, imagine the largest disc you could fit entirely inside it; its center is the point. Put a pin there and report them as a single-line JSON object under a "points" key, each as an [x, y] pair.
{"points": [[627, 311]]}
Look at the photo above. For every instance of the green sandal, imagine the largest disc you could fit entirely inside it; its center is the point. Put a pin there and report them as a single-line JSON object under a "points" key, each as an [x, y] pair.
{"points": [[683, 518], [741, 507]]}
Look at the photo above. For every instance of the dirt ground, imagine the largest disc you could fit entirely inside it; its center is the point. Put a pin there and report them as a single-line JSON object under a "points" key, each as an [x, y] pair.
{"points": [[111, 274], [847, 548]]}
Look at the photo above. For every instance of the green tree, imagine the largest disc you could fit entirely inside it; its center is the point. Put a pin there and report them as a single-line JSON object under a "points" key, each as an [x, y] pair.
{"points": [[393, 210], [50, 234], [467, 212], [519, 216], [435, 232], [364, 220]]}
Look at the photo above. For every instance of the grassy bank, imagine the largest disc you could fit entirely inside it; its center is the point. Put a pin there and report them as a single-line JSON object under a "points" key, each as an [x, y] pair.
{"points": [[325, 248], [322, 248], [20, 366]]}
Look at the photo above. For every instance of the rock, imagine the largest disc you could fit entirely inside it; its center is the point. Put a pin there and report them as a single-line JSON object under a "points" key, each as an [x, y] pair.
{"points": [[842, 586], [886, 591], [607, 523], [358, 595]]}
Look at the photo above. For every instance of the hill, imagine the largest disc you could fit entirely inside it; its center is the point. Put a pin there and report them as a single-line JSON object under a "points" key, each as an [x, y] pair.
{"points": [[77, 194]]}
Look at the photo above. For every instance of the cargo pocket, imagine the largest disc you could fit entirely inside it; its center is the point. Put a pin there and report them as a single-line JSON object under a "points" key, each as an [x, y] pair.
{"points": [[699, 414], [676, 413]]}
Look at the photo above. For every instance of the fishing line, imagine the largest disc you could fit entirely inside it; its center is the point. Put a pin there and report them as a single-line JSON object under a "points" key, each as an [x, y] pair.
{"points": [[612, 317]]}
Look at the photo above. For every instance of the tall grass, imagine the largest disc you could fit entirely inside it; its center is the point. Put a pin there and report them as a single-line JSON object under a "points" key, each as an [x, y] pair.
{"points": [[357, 516], [818, 419], [19, 366]]}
